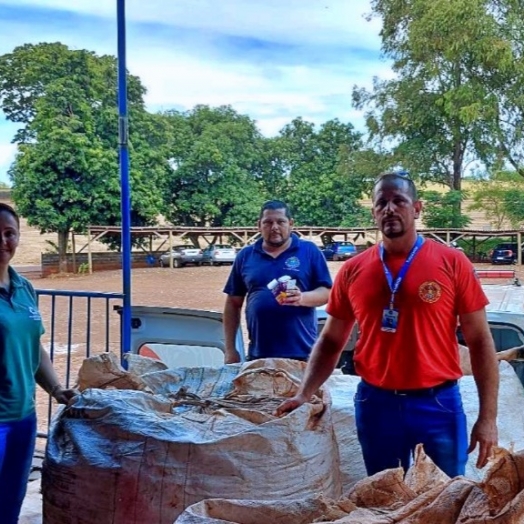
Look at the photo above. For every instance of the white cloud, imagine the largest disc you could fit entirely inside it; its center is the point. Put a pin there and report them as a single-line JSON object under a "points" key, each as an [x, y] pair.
{"points": [[311, 21]]}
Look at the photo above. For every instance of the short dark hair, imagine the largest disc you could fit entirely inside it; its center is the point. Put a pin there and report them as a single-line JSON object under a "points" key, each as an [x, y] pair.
{"points": [[398, 175], [272, 205], [8, 209]]}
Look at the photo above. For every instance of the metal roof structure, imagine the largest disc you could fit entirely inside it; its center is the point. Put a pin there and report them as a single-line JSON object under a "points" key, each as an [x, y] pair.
{"points": [[205, 235]]}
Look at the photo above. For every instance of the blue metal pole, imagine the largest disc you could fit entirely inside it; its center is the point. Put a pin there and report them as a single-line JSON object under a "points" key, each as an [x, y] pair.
{"points": [[123, 139]]}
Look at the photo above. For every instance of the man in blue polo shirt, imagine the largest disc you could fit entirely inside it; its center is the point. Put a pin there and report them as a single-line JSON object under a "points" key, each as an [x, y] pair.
{"points": [[277, 328]]}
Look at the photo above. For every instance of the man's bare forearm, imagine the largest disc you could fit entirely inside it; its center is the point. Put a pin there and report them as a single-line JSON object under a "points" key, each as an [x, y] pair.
{"points": [[485, 369], [314, 298], [322, 362], [484, 364], [231, 324]]}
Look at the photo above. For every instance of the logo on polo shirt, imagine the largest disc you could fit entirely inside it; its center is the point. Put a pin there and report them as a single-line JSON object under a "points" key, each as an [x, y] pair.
{"points": [[292, 263], [430, 292], [34, 314]]}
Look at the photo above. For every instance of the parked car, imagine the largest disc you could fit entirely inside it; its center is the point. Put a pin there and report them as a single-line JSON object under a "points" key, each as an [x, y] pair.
{"points": [[339, 251], [505, 254], [217, 254], [180, 337], [182, 255]]}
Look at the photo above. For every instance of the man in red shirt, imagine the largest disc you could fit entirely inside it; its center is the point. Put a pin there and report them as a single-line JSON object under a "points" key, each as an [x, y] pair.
{"points": [[406, 296]]}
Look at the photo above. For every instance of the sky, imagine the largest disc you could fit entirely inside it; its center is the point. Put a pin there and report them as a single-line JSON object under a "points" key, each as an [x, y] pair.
{"points": [[271, 59]]}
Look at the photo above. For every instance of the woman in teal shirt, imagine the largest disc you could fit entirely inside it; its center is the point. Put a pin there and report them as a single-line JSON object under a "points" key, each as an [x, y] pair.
{"points": [[23, 364]]}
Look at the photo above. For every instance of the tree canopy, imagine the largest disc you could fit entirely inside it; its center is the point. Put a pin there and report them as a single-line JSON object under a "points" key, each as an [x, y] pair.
{"points": [[206, 166], [65, 175], [457, 91]]}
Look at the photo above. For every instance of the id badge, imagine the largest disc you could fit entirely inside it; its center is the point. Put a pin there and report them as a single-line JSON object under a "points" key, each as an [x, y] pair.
{"points": [[390, 320]]}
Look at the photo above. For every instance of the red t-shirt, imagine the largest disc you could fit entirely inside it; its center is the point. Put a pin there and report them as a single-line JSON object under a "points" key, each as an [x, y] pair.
{"points": [[440, 285]]}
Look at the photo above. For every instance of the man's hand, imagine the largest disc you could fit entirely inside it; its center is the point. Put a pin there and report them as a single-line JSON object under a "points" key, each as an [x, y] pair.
{"points": [[293, 298], [64, 396], [231, 356], [485, 434], [291, 404]]}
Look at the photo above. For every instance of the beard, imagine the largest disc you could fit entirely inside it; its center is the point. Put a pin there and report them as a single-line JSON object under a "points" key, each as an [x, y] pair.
{"points": [[279, 243], [393, 234], [393, 229]]}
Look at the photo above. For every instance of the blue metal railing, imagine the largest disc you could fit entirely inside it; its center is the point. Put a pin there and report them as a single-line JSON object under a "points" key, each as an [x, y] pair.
{"points": [[76, 322]]}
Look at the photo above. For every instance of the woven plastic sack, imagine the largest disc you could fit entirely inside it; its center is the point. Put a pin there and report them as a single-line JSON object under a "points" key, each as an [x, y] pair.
{"points": [[425, 496], [131, 457]]}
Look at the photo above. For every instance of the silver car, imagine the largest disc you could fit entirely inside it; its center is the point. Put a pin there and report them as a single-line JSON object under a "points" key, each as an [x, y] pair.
{"points": [[182, 255], [219, 254]]}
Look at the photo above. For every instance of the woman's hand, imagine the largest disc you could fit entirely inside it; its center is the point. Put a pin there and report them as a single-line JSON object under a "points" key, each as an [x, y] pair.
{"points": [[63, 395]]}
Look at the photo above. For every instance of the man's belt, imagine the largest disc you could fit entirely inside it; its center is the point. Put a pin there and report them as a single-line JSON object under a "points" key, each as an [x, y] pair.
{"points": [[422, 392]]}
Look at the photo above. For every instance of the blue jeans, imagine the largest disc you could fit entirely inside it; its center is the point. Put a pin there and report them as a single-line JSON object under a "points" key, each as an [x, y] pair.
{"points": [[389, 426], [17, 444]]}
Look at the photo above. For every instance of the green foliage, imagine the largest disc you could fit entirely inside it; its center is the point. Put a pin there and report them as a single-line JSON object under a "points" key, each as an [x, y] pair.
{"points": [[65, 176], [83, 269], [505, 125], [216, 168], [452, 61], [28, 72], [323, 189], [223, 170], [501, 199], [443, 210], [458, 95]]}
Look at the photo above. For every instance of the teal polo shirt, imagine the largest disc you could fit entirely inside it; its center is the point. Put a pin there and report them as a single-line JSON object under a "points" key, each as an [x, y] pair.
{"points": [[20, 331]]}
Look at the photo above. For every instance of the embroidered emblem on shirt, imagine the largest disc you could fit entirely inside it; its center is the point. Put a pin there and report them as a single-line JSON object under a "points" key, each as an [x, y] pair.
{"points": [[429, 292], [292, 263], [34, 314]]}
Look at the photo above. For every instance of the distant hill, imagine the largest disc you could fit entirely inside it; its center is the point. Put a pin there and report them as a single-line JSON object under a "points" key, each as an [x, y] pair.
{"points": [[478, 220]]}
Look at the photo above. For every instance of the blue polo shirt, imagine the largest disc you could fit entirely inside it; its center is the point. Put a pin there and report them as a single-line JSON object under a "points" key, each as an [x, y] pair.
{"points": [[275, 330]]}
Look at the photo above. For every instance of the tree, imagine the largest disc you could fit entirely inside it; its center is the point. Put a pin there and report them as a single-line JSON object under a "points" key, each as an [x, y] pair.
{"points": [[504, 125], [321, 189], [65, 176], [216, 177], [434, 112], [27, 72], [501, 199], [439, 210]]}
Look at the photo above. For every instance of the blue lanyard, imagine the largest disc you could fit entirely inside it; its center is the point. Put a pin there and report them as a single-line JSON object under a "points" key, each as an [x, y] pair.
{"points": [[395, 285]]}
